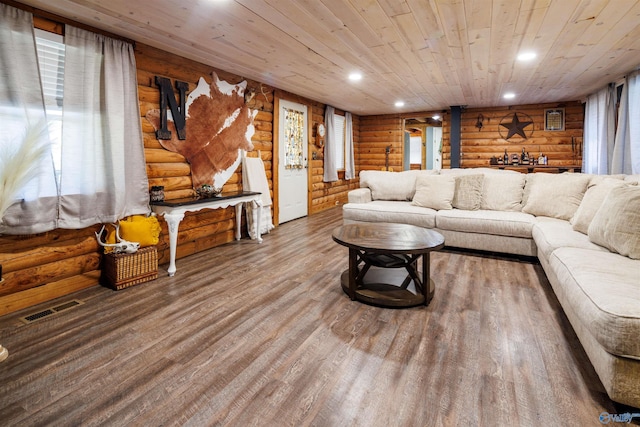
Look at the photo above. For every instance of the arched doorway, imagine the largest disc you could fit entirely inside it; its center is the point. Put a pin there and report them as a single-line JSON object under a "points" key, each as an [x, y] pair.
{"points": [[423, 142]]}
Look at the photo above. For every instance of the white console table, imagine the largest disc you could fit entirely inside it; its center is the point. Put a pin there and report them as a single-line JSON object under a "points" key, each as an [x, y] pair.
{"points": [[174, 210]]}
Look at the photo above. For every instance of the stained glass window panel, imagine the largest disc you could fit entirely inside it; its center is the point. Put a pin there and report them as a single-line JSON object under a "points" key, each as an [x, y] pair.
{"points": [[294, 139]]}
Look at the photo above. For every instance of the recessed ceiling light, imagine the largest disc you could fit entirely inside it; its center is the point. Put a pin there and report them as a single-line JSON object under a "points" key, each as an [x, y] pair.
{"points": [[436, 117], [509, 95], [355, 76], [399, 103], [526, 56]]}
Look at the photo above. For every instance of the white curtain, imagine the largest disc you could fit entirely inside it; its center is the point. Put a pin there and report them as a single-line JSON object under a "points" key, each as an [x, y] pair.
{"points": [[626, 151], [330, 166], [32, 200], [103, 174], [349, 161], [599, 131]]}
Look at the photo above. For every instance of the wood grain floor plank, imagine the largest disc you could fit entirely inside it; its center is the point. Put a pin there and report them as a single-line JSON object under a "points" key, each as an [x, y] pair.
{"points": [[253, 334]]}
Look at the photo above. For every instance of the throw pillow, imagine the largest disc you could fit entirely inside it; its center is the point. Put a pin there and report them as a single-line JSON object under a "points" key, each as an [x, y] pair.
{"points": [[142, 229], [386, 185], [468, 192], [554, 195], [632, 178], [434, 191], [592, 201], [616, 224], [503, 192]]}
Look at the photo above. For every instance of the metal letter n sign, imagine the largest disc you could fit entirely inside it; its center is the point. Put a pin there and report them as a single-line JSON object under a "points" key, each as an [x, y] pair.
{"points": [[178, 114]]}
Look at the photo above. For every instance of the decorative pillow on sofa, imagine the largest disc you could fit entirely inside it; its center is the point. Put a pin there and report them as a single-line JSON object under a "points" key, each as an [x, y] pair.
{"points": [[592, 201], [616, 225], [390, 185], [434, 191], [503, 192], [468, 192], [633, 178], [554, 195]]}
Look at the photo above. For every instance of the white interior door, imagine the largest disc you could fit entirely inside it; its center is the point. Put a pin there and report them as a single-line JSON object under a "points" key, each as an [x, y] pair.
{"points": [[293, 143]]}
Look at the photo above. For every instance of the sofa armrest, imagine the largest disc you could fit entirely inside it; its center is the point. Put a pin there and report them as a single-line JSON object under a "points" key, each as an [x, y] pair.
{"points": [[360, 195]]}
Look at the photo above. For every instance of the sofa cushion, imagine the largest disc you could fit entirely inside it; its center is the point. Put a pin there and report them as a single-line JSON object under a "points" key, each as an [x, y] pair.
{"points": [[386, 185], [633, 178], [360, 195], [592, 200], [513, 224], [616, 225], [468, 192], [554, 195], [603, 289], [434, 191], [597, 179], [390, 211], [552, 233], [503, 192]]}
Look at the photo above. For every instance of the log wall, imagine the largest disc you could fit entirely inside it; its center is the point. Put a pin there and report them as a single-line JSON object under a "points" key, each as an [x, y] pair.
{"points": [[561, 147], [49, 265], [379, 132], [376, 134], [205, 229], [325, 195]]}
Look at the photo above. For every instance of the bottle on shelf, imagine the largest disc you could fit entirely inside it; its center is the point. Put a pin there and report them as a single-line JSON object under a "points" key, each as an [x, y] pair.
{"points": [[506, 157], [541, 159]]}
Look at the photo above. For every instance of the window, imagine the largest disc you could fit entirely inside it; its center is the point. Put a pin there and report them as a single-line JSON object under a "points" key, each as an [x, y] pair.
{"points": [[338, 133], [51, 54], [98, 150], [415, 156]]}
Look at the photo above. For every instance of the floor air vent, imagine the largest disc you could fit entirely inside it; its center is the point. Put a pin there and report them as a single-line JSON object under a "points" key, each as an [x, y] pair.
{"points": [[50, 311]]}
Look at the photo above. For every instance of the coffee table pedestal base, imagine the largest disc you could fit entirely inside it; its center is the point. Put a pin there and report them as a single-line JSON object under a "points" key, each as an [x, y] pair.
{"points": [[381, 287]]}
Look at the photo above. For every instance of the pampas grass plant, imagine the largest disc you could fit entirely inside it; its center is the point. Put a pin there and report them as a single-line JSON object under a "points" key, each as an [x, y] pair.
{"points": [[20, 163]]}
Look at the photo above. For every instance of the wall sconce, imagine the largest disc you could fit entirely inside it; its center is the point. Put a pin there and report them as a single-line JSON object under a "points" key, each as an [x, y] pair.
{"points": [[479, 122]]}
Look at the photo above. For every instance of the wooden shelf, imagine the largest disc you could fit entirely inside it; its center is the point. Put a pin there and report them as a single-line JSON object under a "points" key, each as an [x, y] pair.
{"points": [[540, 168]]}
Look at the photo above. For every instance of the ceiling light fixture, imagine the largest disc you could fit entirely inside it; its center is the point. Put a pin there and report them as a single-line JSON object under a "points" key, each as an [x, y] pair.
{"points": [[526, 56], [509, 95], [355, 76], [436, 117], [399, 104]]}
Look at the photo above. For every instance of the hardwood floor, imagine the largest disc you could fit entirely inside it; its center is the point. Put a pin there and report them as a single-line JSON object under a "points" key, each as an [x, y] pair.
{"points": [[263, 335]]}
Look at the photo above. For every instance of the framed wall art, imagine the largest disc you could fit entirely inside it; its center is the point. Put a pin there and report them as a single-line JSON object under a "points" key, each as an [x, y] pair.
{"points": [[554, 119]]}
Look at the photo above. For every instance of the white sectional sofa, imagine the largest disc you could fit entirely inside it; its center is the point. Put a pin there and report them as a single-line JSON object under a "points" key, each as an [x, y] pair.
{"points": [[584, 229]]}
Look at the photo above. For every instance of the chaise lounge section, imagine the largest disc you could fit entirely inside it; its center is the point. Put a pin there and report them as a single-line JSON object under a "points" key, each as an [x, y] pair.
{"points": [[584, 229]]}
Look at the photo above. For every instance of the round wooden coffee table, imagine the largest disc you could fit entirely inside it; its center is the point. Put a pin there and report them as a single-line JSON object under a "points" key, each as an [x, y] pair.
{"points": [[383, 261]]}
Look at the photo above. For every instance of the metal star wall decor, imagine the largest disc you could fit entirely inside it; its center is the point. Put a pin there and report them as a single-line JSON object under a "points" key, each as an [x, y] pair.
{"points": [[516, 126]]}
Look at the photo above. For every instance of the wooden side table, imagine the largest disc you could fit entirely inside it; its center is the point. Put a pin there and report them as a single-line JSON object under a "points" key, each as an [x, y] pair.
{"points": [[174, 210], [383, 261]]}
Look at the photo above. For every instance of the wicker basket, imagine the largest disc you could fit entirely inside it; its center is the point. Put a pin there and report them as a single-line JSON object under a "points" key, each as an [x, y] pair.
{"points": [[123, 270]]}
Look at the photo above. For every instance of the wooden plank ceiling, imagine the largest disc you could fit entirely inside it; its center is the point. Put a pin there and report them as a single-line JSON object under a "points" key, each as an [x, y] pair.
{"points": [[431, 54]]}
